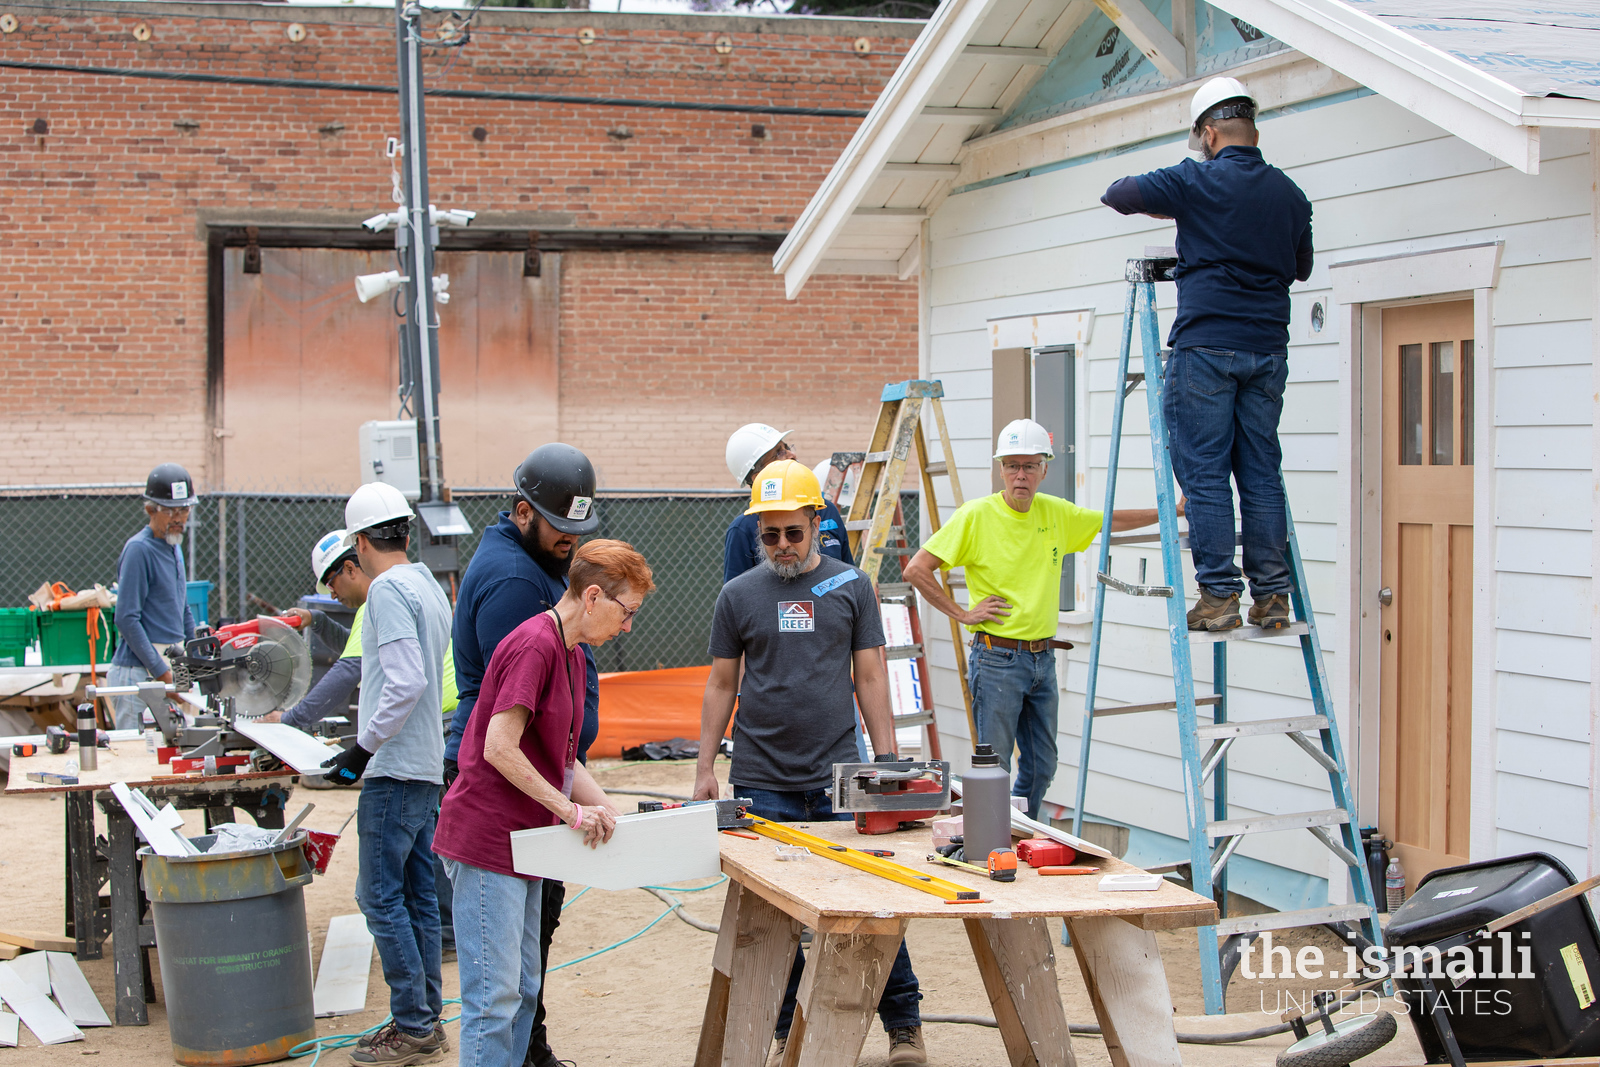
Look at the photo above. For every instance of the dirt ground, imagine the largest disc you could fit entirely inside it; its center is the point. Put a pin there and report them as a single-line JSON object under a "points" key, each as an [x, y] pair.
{"points": [[640, 1003]]}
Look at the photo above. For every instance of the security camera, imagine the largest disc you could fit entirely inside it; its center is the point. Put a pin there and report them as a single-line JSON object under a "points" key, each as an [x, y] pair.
{"points": [[451, 217], [441, 288], [379, 223], [374, 285]]}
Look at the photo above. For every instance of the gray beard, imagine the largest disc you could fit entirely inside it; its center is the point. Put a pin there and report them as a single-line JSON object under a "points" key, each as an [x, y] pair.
{"points": [[790, 571], [174, 539]]}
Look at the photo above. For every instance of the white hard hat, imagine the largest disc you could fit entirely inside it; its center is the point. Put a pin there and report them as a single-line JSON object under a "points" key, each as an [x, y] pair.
{"points": [[324, 554], [374, 504], [746, 447], [1023, 437], [1208, 96]]}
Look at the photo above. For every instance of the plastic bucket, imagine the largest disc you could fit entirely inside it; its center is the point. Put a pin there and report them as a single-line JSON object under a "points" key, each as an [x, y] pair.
{"points": [[235, 961]]}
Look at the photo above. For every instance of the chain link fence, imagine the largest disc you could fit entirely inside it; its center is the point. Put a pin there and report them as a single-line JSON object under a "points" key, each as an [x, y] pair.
{"points": [[255, 550]]}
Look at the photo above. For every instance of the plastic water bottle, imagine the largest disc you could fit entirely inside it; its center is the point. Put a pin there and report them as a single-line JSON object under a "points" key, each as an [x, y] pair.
{"points": [[985, 806], [1394, 884]]}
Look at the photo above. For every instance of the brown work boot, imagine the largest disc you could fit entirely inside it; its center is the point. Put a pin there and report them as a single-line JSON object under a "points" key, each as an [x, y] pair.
{"points": [[778, 1045], [905, 1046], [1270, 612], [367, 1040], [1215, 612], [396, 1048]]}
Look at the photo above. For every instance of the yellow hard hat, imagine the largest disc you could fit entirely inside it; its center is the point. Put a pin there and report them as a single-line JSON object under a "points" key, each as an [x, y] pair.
{"points": [[784, 485]]}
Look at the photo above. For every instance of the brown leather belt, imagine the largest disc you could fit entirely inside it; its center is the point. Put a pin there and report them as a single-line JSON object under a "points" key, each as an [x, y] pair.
{"points": [[991, 641]]}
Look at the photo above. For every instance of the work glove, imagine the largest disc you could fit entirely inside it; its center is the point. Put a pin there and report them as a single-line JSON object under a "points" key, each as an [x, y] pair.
{"points": [[451, 771], [348, 765]]}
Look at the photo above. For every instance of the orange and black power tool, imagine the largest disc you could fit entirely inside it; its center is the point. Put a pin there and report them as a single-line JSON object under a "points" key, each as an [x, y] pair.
{"points": [[891, 794]]}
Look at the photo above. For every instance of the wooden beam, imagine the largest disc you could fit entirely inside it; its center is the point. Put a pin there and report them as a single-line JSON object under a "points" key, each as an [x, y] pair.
{"points": [[1148, 35], [1033, 57], [891, 212], [923, 170], [975, 115]]}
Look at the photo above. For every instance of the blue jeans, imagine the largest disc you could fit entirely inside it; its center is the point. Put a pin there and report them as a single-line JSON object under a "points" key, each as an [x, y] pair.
{"points": [[898, 1005], [1222, 410], [127, 710], [394, 889], [497, 946], [1015, 701]]}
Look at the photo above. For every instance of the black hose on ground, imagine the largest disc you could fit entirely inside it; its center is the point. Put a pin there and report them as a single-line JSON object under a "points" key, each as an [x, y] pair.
{"points": [[1090, 1030]]}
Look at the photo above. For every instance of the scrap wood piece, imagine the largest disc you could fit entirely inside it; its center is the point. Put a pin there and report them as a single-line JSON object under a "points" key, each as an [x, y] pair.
{"points": [[36, 941], [649, 848], [9, 952], [38, 1013], [8, 1029], [298, 749], [346, 964], [156, 825], [72, 991]]}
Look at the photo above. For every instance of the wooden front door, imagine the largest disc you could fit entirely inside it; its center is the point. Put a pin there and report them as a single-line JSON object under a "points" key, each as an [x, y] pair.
{"points": [[1428, 451]]}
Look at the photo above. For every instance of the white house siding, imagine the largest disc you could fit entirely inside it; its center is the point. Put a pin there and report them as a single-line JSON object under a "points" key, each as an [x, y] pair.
{"points": [[1384, 182]]}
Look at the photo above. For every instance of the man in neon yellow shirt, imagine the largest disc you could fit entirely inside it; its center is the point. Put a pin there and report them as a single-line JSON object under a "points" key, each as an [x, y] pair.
{"points": [[1013, 544]]}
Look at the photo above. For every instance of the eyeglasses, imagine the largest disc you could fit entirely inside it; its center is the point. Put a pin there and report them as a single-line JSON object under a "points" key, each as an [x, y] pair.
{"points": [[167, 509], [793, 534], [627, 612], [1022, 468]]}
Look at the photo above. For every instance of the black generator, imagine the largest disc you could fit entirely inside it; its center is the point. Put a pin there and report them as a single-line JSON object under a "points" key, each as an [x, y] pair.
{"points": [[1521, 993]]}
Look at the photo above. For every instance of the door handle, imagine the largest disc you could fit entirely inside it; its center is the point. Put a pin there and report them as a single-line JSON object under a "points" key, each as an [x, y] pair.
{"points": [[1386, 596]]}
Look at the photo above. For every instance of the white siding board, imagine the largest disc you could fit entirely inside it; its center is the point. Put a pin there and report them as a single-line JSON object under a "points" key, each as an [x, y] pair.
{"points": [[1550, 655], [1543, 396], [1544, 343], [1553, 499], [1553, 447], [1510, 843], [1550, 759], [1541, 292], [1527, 550], [1550, 810], [1550, 707], [1543, 603]]}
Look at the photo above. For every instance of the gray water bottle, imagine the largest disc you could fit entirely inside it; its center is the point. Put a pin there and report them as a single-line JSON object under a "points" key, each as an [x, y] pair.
{"points": [[985, 806]]}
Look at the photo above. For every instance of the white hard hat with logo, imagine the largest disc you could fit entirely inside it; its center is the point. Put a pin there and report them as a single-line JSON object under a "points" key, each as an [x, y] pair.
{"points": [[1024, 437], [746, 447], [375, 504], [1214, 92], [330, 550]]}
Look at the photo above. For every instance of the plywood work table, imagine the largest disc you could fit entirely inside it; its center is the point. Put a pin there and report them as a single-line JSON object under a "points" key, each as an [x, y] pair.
{"points": [[113, 861], [859, 920]]}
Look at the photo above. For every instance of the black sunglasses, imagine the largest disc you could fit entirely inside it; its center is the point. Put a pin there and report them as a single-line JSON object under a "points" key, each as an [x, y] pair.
{"points": [[793, 534]]}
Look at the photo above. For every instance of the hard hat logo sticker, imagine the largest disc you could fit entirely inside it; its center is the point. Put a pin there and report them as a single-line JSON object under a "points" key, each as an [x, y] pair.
{"points": [[796, 616], [580, 507], [771, 489], [180, 490]]}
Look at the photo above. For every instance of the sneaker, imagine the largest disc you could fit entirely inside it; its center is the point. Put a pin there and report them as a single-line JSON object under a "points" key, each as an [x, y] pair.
{"points": [[905, 1046], [396, 1048], [1215, 612], [778, 1045], [1270, 612], [367, 1040], [442, 1038]]}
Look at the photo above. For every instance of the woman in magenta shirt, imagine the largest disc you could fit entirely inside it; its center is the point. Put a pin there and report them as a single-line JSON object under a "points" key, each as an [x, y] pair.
{"points": [[519, 770]]}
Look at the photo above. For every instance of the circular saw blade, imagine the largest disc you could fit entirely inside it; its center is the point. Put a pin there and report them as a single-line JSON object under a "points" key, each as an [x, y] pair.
{"points": [[277, 670]]}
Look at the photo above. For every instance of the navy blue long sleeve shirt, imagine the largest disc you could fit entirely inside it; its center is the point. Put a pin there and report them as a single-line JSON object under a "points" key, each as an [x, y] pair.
{"points": [[152, 602], [741, 545], [502, 589], [1244, 235]]}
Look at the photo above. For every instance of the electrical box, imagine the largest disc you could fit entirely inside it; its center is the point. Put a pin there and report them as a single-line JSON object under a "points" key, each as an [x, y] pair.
{"points": [[389, 455]]}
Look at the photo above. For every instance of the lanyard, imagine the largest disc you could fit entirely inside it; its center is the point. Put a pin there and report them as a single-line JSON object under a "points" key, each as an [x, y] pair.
{"points": [[577, 710]]}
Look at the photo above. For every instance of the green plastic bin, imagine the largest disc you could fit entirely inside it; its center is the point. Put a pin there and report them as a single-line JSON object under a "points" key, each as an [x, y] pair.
{"points": [[18, 630], [64, 637]]}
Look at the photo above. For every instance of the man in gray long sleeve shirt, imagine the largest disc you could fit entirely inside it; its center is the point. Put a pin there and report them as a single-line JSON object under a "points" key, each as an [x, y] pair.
{"points": [[152, 591]]}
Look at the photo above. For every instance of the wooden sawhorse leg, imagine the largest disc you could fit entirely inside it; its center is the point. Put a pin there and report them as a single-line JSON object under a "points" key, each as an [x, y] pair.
{"points": [[750, 970], [1018, 965], [1122, 967], [845, 976]]}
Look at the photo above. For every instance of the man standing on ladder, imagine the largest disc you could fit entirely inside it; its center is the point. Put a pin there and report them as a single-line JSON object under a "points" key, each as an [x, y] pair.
{"points": [[1013, 544], [1244, 235]]}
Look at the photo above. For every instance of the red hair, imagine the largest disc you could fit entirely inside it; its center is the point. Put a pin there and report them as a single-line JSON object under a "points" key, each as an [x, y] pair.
{"points": [[612, 565]]}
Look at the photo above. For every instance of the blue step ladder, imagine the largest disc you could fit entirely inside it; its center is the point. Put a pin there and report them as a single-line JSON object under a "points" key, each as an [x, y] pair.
{"points": [[1213, 836]]}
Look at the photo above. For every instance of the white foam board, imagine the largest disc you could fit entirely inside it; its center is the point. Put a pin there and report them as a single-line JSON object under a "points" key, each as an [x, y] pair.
{"points": [[8, 1029], [72, 991], [34, 969], [39, 1014], [306, 754], [1020, 821], [648, 848], [346, 964], [153, 825]]}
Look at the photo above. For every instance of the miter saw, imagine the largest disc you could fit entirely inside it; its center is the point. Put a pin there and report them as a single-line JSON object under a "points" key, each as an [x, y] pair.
{"points": [[243, 671]]}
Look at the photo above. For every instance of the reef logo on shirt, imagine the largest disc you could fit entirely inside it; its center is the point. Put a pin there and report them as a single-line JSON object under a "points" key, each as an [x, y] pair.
{"points": [[796, 616]]}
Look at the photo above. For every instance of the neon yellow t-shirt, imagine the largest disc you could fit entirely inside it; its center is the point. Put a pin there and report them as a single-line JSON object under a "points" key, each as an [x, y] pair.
{"points": [[352, 648], [1017, 555]]}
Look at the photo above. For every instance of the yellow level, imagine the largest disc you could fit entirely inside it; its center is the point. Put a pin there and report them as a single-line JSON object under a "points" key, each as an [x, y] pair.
{"points": [[950, 892]]}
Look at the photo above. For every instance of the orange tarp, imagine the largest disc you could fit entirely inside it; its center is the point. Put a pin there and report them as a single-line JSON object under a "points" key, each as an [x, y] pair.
{"points": [[640, 706]]}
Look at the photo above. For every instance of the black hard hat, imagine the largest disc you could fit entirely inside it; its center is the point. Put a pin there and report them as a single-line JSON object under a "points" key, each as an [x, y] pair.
{"points": [[170, 486], [558, 481]]}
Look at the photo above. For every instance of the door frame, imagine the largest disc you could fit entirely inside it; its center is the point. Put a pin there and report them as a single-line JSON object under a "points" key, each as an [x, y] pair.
{"points": [[1362, 289]]}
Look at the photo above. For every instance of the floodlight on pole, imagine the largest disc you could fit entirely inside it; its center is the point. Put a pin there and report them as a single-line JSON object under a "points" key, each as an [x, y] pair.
{"points": [[369, 286]]}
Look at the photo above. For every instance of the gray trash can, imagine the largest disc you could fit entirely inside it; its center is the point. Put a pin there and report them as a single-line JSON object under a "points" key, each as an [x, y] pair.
{"points": [[235, 962]]}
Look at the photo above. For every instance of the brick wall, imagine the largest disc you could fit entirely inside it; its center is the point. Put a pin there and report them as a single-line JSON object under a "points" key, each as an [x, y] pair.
{"points": [[112, 182]]}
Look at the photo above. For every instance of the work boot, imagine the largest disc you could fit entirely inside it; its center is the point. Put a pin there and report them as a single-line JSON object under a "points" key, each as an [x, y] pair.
{"points": [[778, 1045], [1270, 612], [1215, 612], [396, 1048], [367, 1040], [905, 1046], [441, 1037]]}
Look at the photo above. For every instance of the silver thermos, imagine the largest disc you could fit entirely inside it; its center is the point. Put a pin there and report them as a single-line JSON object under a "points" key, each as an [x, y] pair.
{"points": [[88, 739]]}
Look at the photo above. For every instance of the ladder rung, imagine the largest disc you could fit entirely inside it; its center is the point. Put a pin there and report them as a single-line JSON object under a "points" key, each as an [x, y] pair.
{"points": [[1248, 633], [1258, 727], [1288, 920], [1266, 824], [859, 524], [1133, 590], [895, 551], [1160, 705], [894, 590], [878, 457], [1337, 848], [902, 652], [937, 468], [916, 718]]}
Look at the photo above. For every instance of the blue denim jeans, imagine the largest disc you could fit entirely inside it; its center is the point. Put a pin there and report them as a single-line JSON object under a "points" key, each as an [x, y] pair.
{"points": [[1015, 702], [1222, 410], [901, 994], [498, 957], [127, 710], [394, 890]]}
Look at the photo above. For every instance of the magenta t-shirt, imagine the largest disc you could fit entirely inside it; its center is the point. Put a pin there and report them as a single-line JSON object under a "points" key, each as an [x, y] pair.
{"points": [[531, 667]]}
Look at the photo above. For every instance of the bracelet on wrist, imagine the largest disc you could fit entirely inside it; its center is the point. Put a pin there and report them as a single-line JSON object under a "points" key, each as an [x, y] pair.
{"points": [[578, 824]]}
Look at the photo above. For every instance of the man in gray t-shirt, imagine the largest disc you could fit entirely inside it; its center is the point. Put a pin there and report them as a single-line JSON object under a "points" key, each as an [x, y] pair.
{"points": [[807, 632]]}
